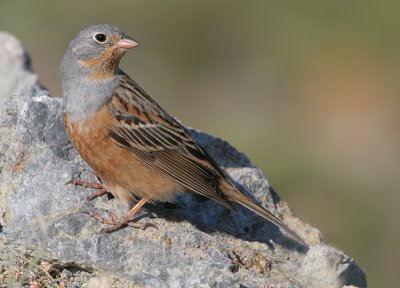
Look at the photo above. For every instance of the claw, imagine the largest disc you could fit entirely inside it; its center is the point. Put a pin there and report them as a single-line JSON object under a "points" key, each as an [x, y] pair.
{"points": [[69, 181], [112, 215], [121, 222]]}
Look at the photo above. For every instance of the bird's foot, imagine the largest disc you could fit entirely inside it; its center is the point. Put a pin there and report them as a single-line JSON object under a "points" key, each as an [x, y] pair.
{"points": [[101, 188], [118, 223]]}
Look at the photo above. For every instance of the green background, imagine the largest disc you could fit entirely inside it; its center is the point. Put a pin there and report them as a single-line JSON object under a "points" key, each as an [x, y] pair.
{"points": [[308, 90]]}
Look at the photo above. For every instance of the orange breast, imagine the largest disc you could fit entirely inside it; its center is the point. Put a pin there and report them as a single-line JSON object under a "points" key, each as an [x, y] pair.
{"points": [[122, 173]]}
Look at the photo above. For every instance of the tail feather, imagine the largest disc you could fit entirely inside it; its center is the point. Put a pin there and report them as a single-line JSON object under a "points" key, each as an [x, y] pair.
{"points": [[235, 195]]}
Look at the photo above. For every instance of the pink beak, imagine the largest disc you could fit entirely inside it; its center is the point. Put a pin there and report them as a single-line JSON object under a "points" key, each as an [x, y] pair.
{"points": [[127, 43]]}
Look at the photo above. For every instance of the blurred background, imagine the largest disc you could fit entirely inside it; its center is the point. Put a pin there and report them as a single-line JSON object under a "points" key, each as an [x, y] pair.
{"points": [[308, 90]]}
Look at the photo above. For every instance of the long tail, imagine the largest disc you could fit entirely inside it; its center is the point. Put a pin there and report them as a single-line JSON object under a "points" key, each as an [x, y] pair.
{"points": [[235, 195]]}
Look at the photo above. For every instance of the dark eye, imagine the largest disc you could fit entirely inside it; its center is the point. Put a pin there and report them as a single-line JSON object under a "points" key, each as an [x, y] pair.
{"points": [[100, 37]]}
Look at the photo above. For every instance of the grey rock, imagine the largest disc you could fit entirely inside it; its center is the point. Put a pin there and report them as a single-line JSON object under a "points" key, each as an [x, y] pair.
{"points": [[15, 69], [324, 264], [197, 243]]}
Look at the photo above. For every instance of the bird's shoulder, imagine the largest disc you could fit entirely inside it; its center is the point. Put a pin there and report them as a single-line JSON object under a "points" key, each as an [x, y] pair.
{"points": [[135, 112]]}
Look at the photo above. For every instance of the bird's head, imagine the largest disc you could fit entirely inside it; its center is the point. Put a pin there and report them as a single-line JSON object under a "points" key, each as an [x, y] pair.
{"points": [[98, 50]]}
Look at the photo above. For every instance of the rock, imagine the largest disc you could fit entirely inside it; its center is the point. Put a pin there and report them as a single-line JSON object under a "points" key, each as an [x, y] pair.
{"points": [[15, 69], [327, 265], [197, 243]]}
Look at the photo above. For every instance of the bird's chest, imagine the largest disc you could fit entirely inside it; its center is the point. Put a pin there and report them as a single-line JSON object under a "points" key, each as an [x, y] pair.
{"points": [[90, 138], [119, 169]]}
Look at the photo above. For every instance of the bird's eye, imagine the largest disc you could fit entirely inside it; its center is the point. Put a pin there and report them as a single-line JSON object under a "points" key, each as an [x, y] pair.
{"points": [[100, 37]]}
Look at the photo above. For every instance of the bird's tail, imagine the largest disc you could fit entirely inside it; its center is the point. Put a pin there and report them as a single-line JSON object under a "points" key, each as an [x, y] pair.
{"points": [[235, 195]]}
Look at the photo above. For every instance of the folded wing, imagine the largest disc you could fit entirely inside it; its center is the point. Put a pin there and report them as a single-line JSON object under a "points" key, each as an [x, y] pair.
{"points": [[142, 127]]}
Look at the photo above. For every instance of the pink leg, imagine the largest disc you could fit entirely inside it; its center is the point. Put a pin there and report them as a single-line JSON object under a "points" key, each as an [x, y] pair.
{"points": [[118, 223], [101, 188]]}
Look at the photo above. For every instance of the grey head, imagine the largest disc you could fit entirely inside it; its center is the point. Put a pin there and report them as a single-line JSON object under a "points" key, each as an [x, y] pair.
{"points": [[89, 69]]}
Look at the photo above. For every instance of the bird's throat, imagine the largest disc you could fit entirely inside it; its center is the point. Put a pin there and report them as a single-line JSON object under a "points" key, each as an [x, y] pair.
{"points": [[103, 70], [103, 66]]}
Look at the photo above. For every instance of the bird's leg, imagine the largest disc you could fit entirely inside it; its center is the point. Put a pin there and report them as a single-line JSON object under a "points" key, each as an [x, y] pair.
{"points": [[118, 223], [101, 188]]}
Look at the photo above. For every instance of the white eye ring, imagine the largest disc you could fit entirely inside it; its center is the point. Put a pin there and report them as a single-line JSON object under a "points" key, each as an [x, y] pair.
{"points": [[100, 37]]}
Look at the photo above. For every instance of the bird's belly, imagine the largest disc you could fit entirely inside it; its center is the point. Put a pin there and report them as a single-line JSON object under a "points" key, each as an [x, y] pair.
{"points": [[121, 172]]}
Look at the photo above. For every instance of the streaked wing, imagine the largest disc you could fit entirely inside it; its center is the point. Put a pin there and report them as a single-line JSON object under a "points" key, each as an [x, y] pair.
{"points": [[153, 136]]}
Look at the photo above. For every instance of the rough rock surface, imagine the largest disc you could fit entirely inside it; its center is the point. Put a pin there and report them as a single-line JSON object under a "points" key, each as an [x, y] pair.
{"points": [[197, 243]]}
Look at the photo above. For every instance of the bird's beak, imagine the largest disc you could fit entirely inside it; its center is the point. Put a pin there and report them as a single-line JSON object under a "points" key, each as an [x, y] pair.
{"points": [[126, 43]]}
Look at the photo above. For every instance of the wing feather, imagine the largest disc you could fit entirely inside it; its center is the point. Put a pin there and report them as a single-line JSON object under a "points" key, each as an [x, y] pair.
{"points": [[142, 127]]}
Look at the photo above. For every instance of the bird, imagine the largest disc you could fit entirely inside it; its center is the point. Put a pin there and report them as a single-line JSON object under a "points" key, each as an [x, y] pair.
{"points": [[138, 151]]}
